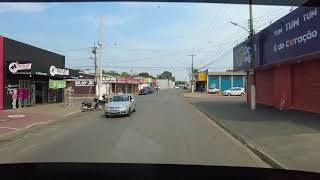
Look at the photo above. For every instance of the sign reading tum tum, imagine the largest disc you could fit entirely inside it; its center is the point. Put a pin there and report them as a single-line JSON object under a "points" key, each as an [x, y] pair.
{"points": [[294, 35]]}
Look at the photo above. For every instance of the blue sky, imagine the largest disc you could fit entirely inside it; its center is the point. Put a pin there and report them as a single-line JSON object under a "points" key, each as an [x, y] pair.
{"points": [[157, 35]]}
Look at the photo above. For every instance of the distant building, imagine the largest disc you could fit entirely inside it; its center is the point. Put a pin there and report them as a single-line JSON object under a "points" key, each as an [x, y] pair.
{"points": [[220, 80], [226, 80]]}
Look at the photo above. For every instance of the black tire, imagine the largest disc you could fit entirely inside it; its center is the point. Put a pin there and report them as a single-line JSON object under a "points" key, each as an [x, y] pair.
{"points": [[229, 94], [83, 109], [134, 110], [99, 107], [241, 94]]}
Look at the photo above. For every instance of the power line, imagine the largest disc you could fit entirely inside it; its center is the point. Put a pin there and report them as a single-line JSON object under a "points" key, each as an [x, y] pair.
{"points": [[196, 44]]}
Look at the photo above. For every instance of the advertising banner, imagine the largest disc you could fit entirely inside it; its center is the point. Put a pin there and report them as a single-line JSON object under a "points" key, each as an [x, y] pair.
{"points": [[19, 67], [202, 76], [84, 82], [294, 35], [57, 84], [122, 80], [58, 71], [109, 79]]}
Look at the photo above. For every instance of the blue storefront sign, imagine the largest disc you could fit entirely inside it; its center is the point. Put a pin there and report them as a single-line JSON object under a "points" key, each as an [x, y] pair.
{"points": [[294, 35], [242, 56]]}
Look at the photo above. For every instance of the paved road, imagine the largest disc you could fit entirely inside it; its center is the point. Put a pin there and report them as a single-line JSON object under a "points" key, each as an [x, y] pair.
{"points": [[165, 129]]}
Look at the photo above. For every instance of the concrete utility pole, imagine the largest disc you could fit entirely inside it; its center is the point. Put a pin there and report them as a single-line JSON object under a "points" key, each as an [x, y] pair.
{"points": [[253, 74], [252, 55], [94, 51], [100, 58], [192, 73]]}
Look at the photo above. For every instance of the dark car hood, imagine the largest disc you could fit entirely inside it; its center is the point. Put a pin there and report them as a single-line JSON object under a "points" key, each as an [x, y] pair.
{"points": [[143, 171]]}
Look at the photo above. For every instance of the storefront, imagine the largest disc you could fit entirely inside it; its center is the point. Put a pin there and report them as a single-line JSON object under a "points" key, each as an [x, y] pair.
{"points": [[287, 61], [26, 71], [226, 80], [201, 81], [85, 85]]}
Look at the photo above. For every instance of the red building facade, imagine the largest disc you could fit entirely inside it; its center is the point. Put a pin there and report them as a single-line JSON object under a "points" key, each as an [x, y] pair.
{"points": [[287, 62]]}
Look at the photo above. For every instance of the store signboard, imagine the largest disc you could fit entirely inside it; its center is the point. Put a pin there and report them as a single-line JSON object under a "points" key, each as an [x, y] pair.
{"points": [[130, 80], [14, 67], [147, 80], [57, 84], [109, 79], [202, 76], [122, 80], [84, 82], [294, 35], [136, 80], [57, 71]]}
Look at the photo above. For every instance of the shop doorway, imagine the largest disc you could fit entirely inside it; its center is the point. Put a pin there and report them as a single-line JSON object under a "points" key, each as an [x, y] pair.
{"points": [[26, 84], [41, 92]]}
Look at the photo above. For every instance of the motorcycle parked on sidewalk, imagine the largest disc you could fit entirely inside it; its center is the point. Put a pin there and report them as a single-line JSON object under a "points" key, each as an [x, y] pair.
{"points": [[96, 105]]}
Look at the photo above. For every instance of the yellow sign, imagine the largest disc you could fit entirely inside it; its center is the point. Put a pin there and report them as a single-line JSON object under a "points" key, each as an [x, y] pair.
{"points": [[202, 76], [147, 80]]}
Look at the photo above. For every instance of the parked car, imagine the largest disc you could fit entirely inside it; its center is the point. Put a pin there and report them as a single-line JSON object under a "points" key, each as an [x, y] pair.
{"points": [[143, 92], [120, 105], [149, 90], [213, 90], [235, 91]]}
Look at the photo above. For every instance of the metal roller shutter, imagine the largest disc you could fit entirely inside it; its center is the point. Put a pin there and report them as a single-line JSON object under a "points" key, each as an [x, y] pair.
{"points": [[306, 86], [264, 87], [225, 82], [213, 82]]}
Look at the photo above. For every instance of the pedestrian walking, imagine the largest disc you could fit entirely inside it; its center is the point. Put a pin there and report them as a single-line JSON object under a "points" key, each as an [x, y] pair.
{"points": [[20, 97], [25, 97], [14, 96]]}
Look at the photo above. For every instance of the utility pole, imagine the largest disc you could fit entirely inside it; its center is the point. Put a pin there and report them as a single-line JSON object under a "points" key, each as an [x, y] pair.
{"points": [[252, 70], [94, 51], [100, 58], [192, 73]]}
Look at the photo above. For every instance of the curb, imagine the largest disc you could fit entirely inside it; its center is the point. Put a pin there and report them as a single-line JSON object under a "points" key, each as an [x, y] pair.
{"points": [[261, 154], [34, 126]]}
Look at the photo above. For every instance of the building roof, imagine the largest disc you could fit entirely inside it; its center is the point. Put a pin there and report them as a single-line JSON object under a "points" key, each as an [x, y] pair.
{"points": [[226, 73]]}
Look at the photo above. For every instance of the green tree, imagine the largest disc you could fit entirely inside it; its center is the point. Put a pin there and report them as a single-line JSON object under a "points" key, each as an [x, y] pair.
{"points": [[183, 83], [167, 75], [145, 75], [125, 74], [111, 73]]}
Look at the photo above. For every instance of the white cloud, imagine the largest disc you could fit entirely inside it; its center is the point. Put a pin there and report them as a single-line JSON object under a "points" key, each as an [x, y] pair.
{"points": [[24, 7]]}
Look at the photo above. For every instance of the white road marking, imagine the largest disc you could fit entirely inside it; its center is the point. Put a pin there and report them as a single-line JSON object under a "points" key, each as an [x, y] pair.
{"points": [[4, 127]]}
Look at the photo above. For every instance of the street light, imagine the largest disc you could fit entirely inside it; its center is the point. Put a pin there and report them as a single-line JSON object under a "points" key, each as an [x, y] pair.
{"points": [[236, 24], [252, 69]]}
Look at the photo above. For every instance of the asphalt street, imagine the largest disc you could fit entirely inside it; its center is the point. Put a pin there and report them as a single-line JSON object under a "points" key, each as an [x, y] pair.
{"points": [[164, 129]]}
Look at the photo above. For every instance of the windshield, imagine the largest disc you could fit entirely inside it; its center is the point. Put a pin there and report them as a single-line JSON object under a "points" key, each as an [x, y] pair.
{"points": [[193, 75], [120, 98]]}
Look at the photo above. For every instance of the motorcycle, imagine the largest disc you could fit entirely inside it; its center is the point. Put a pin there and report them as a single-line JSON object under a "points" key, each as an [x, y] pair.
{"points": [[96, 104]]}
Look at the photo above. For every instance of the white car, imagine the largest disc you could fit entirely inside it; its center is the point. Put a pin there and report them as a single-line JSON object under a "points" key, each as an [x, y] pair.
{"points": [[235, 91], [213, 90], [120, 105]]}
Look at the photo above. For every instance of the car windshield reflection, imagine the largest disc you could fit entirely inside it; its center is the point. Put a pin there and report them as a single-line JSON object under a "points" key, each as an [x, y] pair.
{"points": [[120, 98]]}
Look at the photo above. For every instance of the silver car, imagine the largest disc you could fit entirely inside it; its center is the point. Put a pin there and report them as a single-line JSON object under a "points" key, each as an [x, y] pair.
{"points": [[122, 104]]}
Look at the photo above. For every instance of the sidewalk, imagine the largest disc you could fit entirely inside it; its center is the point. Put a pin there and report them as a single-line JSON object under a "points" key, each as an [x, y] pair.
{"points": [[14, 120], [290, 138], [198, 95]]}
